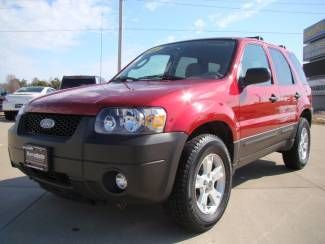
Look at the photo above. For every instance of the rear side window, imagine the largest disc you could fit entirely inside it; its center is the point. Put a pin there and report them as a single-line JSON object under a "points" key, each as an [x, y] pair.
{"points": [[254, 57], [282, 68], [298, 67]]}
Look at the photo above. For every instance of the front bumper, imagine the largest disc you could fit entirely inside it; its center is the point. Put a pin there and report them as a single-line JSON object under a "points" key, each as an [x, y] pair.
{"points": [[82, 163]]}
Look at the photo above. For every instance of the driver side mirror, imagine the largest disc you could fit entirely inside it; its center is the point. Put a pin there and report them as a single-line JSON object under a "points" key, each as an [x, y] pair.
{"points": [[256, 76]]}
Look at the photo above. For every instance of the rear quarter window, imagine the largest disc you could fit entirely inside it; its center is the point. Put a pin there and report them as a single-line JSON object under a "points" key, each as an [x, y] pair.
{"points": [[282, 68], [298, 67]]}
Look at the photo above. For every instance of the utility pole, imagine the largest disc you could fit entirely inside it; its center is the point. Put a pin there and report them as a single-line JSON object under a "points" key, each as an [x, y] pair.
{"points": [[101, 47], [120, 23]]}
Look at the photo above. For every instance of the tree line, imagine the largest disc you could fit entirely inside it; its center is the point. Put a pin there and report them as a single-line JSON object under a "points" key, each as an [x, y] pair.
{"points": [[13, 83]]}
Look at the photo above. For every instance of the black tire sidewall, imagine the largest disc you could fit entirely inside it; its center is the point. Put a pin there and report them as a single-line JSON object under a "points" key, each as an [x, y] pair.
{"points": [[303, 124], [216, 147]]}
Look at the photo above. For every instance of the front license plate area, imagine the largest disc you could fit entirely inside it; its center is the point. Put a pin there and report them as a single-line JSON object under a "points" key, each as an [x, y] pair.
{"points": [[36, 157]]}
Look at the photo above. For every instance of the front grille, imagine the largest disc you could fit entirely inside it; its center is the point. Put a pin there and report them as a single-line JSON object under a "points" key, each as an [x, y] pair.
{"points": [[65, 125]]}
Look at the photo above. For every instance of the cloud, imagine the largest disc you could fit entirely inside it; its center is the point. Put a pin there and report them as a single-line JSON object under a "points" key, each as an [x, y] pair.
{"points": [[153, 5], [54, 15], [199, 25], [247, 10], [16, 48]]}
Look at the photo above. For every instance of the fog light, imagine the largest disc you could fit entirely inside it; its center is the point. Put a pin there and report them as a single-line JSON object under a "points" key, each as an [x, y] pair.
{"points": [[121, 181]]}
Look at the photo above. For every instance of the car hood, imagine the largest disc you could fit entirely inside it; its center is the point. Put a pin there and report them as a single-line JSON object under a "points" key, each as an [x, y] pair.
{"points": [[91, 99]]}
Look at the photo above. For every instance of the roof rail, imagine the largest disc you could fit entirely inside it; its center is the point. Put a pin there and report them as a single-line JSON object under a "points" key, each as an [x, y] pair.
{"points": [[282, 46], [256, 37]]}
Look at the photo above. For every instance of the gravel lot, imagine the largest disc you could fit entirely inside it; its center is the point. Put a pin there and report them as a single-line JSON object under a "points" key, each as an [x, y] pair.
{"points": [[269, 204]]}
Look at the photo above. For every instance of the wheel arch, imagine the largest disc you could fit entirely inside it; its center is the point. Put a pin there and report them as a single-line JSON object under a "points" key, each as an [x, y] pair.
{"points": [[220, 129], [307, 114]]}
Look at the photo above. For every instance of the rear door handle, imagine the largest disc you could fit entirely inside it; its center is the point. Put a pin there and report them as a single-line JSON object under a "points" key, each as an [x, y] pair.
{"points": [[297, 95], [273, 98]]}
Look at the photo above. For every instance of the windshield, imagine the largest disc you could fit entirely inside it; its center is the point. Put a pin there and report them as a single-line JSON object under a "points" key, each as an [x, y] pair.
{"points": [[74, 82], [201, 59], [30, 89]]}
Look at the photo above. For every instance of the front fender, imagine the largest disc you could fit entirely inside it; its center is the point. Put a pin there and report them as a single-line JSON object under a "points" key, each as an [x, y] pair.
{"points": [[195, 114]]}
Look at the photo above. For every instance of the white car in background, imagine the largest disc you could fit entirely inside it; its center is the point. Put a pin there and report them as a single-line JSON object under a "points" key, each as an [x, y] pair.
{"points": [[13, 102]]}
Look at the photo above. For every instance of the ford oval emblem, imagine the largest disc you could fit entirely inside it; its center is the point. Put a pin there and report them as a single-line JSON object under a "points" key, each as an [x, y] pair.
{"points": [[47, 123]]}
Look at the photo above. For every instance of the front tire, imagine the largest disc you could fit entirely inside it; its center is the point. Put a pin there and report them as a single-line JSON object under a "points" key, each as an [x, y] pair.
{"points": [[297, 157], [202, 185]]}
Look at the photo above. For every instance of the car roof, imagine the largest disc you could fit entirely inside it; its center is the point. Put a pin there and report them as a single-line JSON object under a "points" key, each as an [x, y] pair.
{"points": [[256, 39]]}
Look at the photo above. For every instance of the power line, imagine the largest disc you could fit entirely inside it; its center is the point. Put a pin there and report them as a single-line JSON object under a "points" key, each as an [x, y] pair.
{"points": [[231, 8], [149, 29], [276, 3]]}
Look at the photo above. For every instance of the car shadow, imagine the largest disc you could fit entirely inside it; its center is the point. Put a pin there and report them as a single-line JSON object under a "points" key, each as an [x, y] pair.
{"points": [[102, 223], [258, 169]]}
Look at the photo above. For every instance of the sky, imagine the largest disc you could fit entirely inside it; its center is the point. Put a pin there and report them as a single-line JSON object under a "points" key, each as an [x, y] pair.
{"points": [[52, 38]]}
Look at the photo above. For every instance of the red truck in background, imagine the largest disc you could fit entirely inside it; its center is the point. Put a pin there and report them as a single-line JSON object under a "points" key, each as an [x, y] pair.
{"points": [[172, 127]]}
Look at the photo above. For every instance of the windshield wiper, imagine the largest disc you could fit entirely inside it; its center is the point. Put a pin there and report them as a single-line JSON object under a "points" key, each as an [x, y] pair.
{"points": [[161, 77], [125, 79]]}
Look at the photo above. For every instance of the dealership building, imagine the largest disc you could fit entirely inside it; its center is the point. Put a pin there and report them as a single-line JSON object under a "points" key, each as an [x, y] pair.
{"points": [[314, 62]]}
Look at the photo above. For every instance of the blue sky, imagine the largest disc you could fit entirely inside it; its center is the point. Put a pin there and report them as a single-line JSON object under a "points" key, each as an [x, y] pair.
{"points": [[48, 53]]}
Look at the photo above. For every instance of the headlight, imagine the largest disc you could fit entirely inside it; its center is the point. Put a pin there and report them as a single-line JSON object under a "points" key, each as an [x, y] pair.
{"points": [[130, 121]]}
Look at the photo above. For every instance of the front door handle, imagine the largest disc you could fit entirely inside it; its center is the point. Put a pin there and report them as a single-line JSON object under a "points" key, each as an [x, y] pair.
{"points": [[297, 95], [273, 98]]}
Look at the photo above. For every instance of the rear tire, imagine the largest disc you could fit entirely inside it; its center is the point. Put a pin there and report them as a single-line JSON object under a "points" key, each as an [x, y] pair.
{"points": [[10, 115], [297, 157], [196, 204]]}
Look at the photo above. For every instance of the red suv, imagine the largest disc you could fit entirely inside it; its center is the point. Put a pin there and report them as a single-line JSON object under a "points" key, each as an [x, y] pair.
{"points": [[172, 127]]}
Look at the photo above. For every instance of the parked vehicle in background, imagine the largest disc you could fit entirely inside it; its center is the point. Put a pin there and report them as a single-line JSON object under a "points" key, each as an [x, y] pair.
{"points": [[172, 127], [3, 93], [13, 102], [80, 80]]}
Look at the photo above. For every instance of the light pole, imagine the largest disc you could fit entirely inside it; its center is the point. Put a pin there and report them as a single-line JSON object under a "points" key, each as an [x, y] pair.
{"points": [[119, 57]]}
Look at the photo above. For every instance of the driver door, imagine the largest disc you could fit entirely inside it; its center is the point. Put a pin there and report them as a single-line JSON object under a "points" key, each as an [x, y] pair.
{"points": [[258, 106]]}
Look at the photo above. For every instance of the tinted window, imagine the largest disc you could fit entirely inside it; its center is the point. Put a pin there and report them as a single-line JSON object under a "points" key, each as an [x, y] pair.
{"points": [[298, 68], [200, 59], [30, 89], [50, 90], [282, 68], [74, 82], [254, 57]]}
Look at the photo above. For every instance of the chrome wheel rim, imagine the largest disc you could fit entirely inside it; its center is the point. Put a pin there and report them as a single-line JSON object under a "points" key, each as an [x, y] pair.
{"points": [[303, 144], [210, 183]]}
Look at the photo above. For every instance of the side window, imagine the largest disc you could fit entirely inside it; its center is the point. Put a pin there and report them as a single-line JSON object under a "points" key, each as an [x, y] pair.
{"points": [[282, 68], [254, 57], [182, 65], [298, 67], [49, 90], [156, 65]]}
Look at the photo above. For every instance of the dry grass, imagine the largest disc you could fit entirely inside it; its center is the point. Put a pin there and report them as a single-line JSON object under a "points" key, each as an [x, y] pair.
{"points": [[319, 118]]}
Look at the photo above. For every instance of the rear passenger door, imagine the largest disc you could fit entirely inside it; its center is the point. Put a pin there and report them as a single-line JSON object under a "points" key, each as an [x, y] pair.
{"points": [[259, 109], [289, 90]]}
